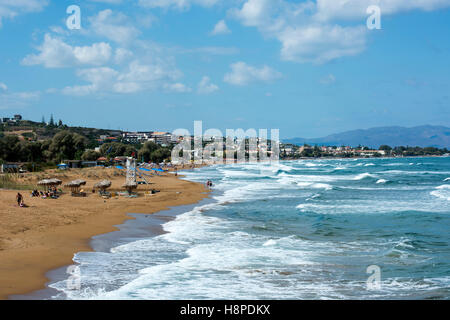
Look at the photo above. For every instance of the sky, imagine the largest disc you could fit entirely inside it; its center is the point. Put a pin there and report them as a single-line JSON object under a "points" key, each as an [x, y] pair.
{"points": [[308, 68]]}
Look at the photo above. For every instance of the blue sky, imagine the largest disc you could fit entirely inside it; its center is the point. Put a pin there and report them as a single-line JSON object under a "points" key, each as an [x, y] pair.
{"points": [[308, 68]]}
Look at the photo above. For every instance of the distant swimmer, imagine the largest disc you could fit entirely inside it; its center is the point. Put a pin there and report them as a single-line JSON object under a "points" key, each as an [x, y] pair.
{"points": [[209, 184]]}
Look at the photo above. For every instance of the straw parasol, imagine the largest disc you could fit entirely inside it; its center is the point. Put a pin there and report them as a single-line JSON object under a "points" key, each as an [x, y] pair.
{"points": [[103, 185], [75, 185], [50, 182], [130, 186]]}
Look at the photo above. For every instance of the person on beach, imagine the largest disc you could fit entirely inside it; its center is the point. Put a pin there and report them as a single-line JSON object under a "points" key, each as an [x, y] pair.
{"points": [[19, 199]]}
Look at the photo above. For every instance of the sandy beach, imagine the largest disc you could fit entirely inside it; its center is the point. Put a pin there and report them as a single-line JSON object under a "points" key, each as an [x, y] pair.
{"points": [[49, 232]]}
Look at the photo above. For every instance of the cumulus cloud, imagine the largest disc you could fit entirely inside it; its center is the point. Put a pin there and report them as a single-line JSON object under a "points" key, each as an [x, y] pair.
{"points": [[353, 9], [313, 31], [320, 44], [220, 28], [55, 53], [114, 26], [3, 87], [206, 86], [136, 77], [242, 74], [12, 8]]}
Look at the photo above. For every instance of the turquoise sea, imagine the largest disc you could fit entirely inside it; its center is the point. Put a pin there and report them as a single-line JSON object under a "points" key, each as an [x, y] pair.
{"points": [[305, 229]]}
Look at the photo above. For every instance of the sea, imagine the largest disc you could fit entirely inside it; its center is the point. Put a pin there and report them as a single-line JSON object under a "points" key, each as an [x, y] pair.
{"points": [[305, 229]]}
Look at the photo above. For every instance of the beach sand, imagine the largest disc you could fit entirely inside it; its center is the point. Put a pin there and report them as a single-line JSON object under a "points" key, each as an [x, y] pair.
{"points": [[49, 232]]}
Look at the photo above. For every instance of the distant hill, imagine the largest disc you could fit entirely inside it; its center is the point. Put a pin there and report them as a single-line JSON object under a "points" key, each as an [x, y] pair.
{"points": [[423, 136]]}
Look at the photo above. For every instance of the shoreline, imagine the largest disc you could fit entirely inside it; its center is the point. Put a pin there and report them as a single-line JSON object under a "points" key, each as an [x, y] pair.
{"points": [[142, 226], [36, 241]]}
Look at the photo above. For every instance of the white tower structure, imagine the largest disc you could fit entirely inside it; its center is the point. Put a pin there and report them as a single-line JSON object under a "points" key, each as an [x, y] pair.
{"points": [[131, 171]]}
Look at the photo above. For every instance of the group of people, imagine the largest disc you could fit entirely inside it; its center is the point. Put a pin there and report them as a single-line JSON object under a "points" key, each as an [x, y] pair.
{"points": [[51, 193]]}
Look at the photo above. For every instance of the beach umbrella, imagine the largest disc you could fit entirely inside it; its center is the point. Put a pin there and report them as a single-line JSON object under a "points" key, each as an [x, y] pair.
{"points": [[130, 186], [103, 185], [75, 185], [49, 182]]}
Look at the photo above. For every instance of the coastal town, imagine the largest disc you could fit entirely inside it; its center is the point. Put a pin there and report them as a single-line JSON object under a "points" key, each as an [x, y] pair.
{"points": [[32, 146]]}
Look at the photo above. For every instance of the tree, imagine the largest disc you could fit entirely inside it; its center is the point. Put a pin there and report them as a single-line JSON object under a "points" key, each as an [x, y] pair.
{"points": [[52, 121], [67, 145], [385, 148], [160, 155], [10, 148], [147, 150], [116, 149], [60, 123], [90, 155]]}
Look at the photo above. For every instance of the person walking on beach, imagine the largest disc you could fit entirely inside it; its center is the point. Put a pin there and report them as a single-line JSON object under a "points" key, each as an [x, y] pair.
{"points": [[19, 199]]}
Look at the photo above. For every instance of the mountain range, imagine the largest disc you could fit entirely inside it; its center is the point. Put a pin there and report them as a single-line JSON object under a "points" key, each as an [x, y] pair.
{"points": [[422, 136]]}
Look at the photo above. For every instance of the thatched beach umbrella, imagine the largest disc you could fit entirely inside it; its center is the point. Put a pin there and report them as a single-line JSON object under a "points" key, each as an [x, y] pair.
{"points": [[130, 186], [103, 185], [75, 185], [50, 182]]}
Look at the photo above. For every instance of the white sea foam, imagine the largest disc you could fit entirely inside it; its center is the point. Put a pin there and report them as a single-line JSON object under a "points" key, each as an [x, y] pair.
{"points": [[270, 242], [382, 181], [442, 192], [364, 176], [309, 185]]}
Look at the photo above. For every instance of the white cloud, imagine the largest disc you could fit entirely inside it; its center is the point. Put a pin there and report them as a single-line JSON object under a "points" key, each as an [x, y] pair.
{"points": [[177, 87], [99, 78], [353, 9], [242, 74], [3, 87], [311, 31], [256, 13], [176, 4], [136, 77], [55, 53], [122, 55], [320, 44], [12, 8], [206, 86], [114, 26], [220, 28]]}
